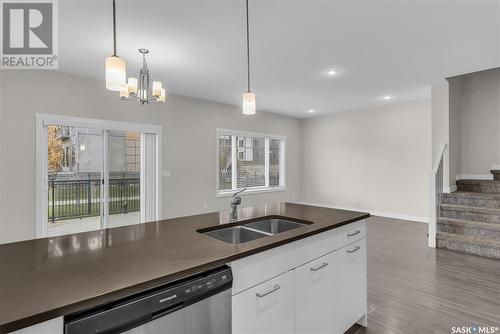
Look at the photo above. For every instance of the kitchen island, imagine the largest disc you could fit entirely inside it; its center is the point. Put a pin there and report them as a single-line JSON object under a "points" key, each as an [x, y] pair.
{"points": [[42, 280]]}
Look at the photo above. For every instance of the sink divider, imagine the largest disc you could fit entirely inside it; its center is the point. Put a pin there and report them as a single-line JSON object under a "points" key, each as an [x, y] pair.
{"points": [[256, 230]]}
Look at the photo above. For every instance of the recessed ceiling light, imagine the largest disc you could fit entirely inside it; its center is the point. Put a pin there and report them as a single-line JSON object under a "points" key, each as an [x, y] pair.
{"points": [[311, 111], [387, 97], [332, 72]]}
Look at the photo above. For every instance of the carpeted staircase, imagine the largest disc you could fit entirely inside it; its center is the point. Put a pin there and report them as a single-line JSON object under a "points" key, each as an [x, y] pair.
{"points": [[469, 220]]}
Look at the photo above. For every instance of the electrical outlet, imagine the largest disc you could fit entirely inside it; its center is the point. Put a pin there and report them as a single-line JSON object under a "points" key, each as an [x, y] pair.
{"points": [[165, 173]]}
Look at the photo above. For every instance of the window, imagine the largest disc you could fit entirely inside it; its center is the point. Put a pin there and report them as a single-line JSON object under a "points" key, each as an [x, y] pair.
{"points": [[258, 161]]}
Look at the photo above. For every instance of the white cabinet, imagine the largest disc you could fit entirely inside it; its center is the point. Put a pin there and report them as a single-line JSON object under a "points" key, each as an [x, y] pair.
{"points": [[351, 284], [265, 308], [53, 326], [316, 285], [315, 290]]}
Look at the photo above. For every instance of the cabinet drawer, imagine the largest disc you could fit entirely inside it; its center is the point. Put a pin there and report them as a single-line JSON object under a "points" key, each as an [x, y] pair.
{"points": [[252, 270], [265, 308], [350, 233]]}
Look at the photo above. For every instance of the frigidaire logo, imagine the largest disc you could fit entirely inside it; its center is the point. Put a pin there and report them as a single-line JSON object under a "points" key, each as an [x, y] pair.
{"points": [[29, 34], [164, 300]]}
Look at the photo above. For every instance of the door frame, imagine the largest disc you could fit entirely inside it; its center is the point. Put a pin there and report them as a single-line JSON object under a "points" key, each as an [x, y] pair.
{"points": [[41, 123]]}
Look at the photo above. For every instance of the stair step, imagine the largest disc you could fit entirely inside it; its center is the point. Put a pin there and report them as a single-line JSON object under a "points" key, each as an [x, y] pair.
{"points": [[471, 213], [467, 198], [470, 228], [468, 244], [480, 186]]}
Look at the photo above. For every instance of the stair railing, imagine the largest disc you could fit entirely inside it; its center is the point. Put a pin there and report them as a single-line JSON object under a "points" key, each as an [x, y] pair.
{"points": [[436, 195]]}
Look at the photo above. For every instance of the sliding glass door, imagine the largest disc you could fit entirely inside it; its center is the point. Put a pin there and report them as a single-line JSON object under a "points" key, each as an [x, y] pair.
{"points": [[124, 182], [96, 178], [74, 174]]}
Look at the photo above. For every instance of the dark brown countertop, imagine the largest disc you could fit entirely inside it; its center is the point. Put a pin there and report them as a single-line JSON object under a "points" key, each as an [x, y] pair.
{"points": [[46, 278]]}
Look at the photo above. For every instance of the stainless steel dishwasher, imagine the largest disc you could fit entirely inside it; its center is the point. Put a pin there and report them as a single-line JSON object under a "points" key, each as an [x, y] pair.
{"points": [[195, 304]]}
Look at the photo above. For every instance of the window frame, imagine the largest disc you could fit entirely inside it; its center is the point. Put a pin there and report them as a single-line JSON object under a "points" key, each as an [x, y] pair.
{"points": [[234, 145]]}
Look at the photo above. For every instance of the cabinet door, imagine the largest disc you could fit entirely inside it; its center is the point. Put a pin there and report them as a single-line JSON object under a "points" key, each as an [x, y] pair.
{"points": [[53, 326], [351, 284], [265, 308], [315, 300]]}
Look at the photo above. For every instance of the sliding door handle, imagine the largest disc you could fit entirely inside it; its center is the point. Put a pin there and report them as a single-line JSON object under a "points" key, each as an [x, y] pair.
{"points": [[275, 287]]}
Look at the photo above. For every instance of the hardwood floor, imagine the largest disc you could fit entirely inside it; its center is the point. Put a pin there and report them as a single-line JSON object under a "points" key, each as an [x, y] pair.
{"points": [[416, 289]]}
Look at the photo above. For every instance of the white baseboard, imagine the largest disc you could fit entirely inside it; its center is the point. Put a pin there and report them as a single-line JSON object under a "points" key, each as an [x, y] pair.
{"points": [[451, 189], [373, 213], [474, 177]]}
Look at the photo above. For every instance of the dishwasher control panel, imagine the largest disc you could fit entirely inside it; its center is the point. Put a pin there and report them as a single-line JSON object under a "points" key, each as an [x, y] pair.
{"points": [[191, 289]]}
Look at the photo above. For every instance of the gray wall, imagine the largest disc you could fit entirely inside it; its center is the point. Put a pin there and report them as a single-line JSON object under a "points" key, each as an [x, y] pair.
{"points": [[475, 110], [188, 147], [376, 160], [1, 153], [454, 134], [440, 123]]}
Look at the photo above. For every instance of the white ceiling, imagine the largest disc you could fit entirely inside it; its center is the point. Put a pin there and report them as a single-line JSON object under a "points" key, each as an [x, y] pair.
{"points": [[380, 48]]}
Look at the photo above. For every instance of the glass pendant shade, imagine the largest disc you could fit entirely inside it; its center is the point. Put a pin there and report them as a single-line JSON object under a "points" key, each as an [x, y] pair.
{"points": [[156, 88], [124, 93], [162, 98], [132, 85], [249, 103], [115, 74]]}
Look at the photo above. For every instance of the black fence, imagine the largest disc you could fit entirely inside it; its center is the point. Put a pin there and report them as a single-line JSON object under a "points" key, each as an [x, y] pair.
{"points": [[70, 199]]}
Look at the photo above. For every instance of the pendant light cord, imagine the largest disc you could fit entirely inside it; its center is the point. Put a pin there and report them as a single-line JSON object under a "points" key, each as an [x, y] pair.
{"points": [[248, 52], [114, 28]]}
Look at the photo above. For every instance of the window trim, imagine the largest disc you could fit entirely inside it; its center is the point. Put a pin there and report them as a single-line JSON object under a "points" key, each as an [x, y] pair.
{"points": [[253, 190]]}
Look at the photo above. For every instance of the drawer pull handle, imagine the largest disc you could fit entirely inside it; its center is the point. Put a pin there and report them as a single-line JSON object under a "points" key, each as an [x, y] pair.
{"points": [[276, 287], [354, 233], [324, 264], [357, 248]]}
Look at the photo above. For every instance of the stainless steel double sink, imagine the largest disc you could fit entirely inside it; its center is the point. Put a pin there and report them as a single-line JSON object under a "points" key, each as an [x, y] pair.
{"points": [[253, 230]]}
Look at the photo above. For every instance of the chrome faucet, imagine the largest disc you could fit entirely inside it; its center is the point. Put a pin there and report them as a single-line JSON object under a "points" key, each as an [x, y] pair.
{"points": [[235, 201]]}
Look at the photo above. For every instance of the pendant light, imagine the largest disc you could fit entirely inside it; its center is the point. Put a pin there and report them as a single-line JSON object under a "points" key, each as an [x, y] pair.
{"points": [[248, 97], [115, 66]]}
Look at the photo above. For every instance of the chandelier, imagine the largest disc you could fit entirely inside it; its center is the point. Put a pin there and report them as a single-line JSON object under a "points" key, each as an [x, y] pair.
{"points": [[139, 89], [135, 89]]}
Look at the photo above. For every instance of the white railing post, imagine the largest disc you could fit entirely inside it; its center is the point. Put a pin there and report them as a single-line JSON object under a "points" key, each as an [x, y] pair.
{"points": [[432, 211], [435, 195]]}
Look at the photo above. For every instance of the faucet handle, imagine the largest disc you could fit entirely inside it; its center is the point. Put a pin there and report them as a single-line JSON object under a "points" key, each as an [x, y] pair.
{"points": [[239, 192], [237, 199]]}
